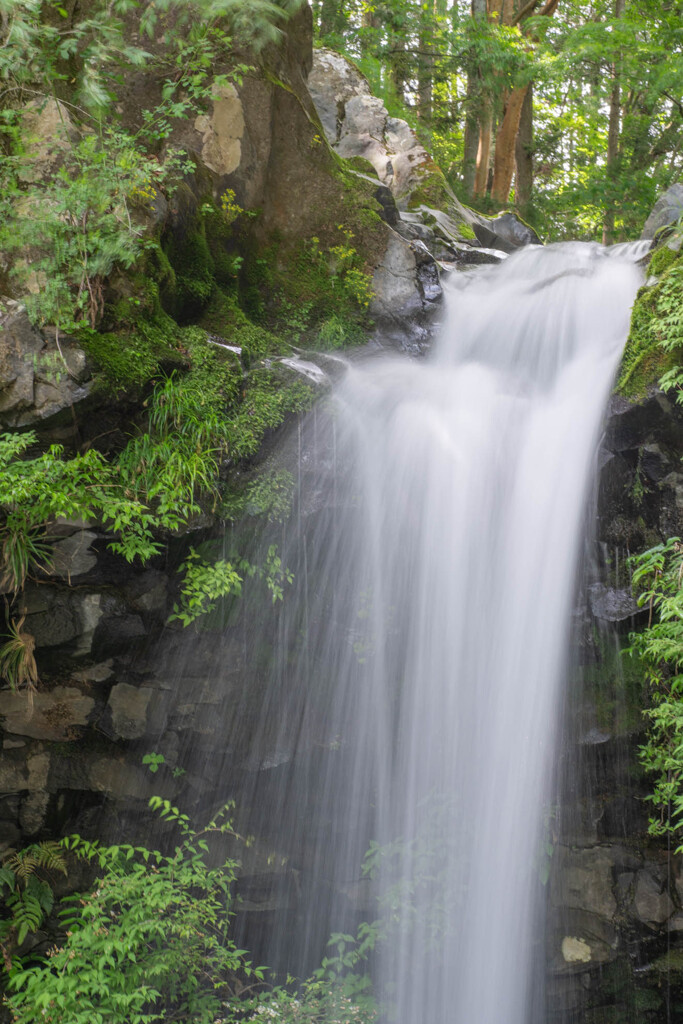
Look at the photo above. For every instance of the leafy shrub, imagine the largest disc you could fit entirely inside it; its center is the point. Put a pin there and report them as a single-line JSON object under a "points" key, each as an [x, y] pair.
{"points": [[659, 572], [149, 942]]}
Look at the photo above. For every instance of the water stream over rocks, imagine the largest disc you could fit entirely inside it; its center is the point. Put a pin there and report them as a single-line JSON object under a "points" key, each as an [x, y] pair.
{"points": [[416, 671]]}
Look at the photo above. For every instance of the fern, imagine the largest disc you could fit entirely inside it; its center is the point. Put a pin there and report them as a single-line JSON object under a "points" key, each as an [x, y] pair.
{"points": [[48, 855], [30, 898]]}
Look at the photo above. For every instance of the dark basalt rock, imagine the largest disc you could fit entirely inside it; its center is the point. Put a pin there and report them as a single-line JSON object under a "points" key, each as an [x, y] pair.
{"points": [[506, 232]]}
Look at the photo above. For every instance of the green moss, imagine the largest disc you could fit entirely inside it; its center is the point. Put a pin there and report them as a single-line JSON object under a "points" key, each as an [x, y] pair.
{"points": [[433, 190], [319, 290], [194, 273], [359, 163], [225, 318], [216, 371], [270, 396], [645, 361], [671, 961], [662, 259]]}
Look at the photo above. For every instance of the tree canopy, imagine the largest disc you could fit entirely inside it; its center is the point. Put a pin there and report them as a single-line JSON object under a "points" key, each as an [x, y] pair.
{"points": [[572, 110]]}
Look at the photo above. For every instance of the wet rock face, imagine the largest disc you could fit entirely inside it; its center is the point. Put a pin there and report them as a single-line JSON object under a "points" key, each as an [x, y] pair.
{"points": [[38, 378], [666, 211], [357, 124], [506, 232], [616, 910], [640, 495]]}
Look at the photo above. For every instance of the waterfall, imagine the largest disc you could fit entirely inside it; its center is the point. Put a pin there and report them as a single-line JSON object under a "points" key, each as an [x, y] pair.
{"points": [[417, 663]]}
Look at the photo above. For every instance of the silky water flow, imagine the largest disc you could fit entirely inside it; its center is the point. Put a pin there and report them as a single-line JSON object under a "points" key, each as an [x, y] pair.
{"points": [[416, 667]]}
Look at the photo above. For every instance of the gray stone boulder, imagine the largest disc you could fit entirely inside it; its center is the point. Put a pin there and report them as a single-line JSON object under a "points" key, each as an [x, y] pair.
{"points": [[666, 211], [38, 379], [357, 124], [652, 903], [506, 232], [582, 880], [610, 604], [56, 715]]}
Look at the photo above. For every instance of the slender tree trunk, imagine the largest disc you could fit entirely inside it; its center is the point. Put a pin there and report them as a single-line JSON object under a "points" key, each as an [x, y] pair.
{"points": [[425, 84], [613, 139], [524, 153], [478, 124], [469, 160], [504, 163], [481, 177], [398, 65], [370, 22], [328, 17], [425, 65]]}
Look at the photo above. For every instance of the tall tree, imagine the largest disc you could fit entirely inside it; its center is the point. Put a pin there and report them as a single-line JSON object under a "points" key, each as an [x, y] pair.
{"points": [[613, 134]]}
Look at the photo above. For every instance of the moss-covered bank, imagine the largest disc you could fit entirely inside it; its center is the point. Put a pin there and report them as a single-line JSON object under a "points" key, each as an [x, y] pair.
{"points": [[655, 343]]}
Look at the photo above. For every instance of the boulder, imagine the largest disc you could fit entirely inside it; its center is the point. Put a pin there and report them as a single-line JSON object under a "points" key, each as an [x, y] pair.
{"points": [[33, 811], [652, 902], [73, 556], [358, 125], [582, 880], [394, 283], [506, 232], [610, 604], [128, 707], [57, 714], [119, 778], [666, 211], [37, 380]]}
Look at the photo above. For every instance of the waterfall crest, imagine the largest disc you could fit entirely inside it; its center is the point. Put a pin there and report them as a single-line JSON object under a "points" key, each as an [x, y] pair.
{"points": [[418, 667]]}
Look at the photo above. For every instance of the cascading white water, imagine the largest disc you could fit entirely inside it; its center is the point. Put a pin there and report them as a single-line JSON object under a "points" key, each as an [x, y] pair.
{"points": [[437, 604]]}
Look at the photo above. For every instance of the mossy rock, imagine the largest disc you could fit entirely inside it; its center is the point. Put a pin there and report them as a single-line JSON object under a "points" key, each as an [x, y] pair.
{"points": [[433, 190], [645, 360], [359, 163], [225, 318]]}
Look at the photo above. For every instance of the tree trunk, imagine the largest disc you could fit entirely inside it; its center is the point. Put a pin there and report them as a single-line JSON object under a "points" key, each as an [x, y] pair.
{"points": [[328, 17], [524, 153], [425, 65], [398, 65], [504, 164], [370, 23], [481, 177], [613, 140], [469, 160]]}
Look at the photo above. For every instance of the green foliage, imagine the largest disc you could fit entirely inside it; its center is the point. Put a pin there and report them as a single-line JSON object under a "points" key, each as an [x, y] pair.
{"points": [[67, 230], [149, 943], [270, 495], [268, 398], [659, 572], [667, 325], [206, 583], [17, 660], [28, 896], [153, 761], [421, 890], [73, 205], [336, 993], [322, 295], [655, 343], [154, 483], [203, 585]]}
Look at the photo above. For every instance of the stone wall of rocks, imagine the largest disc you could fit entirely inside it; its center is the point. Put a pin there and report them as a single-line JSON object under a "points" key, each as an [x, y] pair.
{"points": [[615, 895]]}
